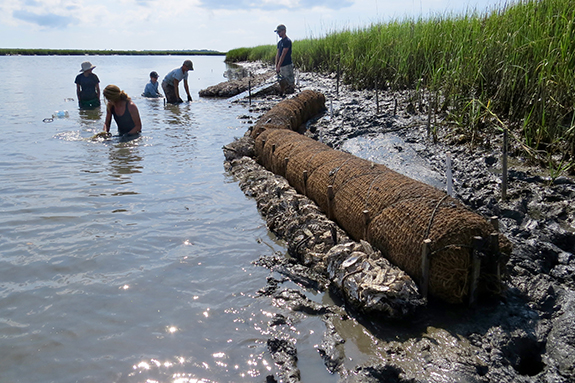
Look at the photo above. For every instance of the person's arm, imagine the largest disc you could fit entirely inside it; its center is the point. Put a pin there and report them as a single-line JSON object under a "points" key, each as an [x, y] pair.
{"points": [[187, 89], [78, 90], [135, 117], [108, 120], [177, 90], [277, 61], [98, 90]]}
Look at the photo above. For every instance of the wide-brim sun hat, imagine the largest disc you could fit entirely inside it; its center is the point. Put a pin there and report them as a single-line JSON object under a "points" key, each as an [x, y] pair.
{"points": [[87, 65]]}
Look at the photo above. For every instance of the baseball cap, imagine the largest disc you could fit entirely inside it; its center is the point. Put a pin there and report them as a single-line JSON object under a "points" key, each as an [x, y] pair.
{"points": [[189, 64]]}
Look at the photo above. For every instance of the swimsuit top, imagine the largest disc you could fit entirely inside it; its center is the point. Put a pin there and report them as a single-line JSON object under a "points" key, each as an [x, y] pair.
{"points": [[125, 122]]}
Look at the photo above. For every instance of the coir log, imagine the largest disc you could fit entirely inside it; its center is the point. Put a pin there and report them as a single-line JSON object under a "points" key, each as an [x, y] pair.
{"points": [[453, 252]]}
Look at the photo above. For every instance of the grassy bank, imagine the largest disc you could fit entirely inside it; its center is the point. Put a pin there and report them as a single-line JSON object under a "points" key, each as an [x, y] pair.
{"points": [[81, 52], [509, 68]]}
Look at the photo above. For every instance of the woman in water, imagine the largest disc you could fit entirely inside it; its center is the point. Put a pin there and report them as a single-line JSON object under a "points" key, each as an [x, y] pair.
{"points": [[123, 109]]}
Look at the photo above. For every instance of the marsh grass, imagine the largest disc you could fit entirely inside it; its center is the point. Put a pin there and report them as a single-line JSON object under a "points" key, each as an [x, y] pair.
{"points": [[516, 63], [265, 53]]}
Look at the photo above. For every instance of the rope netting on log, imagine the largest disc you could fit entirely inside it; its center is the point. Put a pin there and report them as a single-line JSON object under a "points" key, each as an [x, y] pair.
{"points": [[454, 253]]}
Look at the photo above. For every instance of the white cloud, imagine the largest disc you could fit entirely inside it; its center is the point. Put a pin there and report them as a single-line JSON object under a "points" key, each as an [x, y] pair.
{"points": [[196, 24]]}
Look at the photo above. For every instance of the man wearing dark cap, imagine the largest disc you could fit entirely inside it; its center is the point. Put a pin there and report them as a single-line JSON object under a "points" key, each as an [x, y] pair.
{"points": [[151, 89], [284, 65], [172, 79]]}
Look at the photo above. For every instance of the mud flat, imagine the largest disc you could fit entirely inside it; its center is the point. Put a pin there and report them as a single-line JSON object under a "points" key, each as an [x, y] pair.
{"points": [[524, 336]]}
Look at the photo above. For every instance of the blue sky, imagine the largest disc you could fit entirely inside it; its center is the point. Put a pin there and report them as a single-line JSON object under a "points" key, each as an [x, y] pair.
{"points": [[200, 24]]}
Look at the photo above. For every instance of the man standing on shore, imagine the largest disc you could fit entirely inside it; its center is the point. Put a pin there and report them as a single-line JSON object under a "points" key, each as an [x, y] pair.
{"points": [[171, 81], [284, 65]]}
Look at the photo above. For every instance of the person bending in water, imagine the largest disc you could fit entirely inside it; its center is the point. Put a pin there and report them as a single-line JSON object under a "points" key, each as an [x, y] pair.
{"points": [[172, 80], [123, 109]]}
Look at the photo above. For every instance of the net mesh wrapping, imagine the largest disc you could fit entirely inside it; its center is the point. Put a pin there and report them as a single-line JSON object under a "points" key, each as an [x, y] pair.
{"points": [[370, 201]]}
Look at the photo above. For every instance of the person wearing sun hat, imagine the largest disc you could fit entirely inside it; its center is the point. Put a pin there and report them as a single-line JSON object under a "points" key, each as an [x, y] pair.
{"points": [[88, 87], [171, 81], [283, 61]]}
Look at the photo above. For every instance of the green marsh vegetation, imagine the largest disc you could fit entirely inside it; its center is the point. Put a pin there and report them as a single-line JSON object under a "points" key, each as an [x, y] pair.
{"points": [[512, 69]]}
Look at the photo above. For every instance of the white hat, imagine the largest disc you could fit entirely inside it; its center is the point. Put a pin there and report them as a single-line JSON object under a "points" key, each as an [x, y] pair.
{"points": [[87, 65]]}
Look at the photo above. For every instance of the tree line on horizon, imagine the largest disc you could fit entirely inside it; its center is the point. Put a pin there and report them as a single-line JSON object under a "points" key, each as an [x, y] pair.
{"points": [[507, 69], [104, 52]]}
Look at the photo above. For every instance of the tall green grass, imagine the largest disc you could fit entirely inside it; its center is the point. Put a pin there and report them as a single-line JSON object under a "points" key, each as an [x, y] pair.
{"points": [[266, 53], [517, 63]]}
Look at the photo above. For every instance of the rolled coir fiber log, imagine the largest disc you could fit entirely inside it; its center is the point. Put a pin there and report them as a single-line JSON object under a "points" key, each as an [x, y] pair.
{"points": [[290, 114], [393, 212]]}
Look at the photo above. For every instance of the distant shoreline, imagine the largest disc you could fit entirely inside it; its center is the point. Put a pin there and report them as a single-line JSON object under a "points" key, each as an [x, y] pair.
{"points": [[96, 52]]}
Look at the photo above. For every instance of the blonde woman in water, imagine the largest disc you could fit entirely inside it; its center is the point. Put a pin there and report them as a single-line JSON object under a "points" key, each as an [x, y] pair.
{"points": [[123, 109]]}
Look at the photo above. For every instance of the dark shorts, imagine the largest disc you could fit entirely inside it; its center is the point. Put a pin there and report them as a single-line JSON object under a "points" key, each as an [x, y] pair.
{"points": [[170, 93], [89, 103]]}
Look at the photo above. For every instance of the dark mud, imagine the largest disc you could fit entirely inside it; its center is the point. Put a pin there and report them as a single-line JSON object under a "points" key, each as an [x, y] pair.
{"points": [[526, 335]]}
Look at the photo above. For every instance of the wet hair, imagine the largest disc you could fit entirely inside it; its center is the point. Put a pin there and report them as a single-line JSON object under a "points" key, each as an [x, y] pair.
{"points": [[113, 93]]}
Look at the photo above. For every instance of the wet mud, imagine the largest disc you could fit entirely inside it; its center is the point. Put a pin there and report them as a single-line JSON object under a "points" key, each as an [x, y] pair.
{"points": [[526, 335]]}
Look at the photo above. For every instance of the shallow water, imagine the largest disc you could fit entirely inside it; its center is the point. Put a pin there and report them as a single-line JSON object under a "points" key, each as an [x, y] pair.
{"points": [[130, 261]]}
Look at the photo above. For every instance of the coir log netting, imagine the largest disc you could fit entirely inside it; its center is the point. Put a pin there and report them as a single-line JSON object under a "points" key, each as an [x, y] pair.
{"points": [[393, 212]]}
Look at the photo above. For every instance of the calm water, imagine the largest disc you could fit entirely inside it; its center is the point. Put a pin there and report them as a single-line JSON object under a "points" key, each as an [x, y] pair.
{"points": [[130, 261]]}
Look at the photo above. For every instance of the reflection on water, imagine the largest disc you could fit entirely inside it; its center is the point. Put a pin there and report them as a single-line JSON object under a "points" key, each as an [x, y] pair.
{"points": [[89, 115], [125, 159], [179, 114]]}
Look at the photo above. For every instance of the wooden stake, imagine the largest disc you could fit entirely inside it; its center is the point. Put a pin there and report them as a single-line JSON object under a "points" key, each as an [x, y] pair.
{"points": [[305, 182], [366, 221], [286, 160], [449, 174], [494, 220], [337, 77], [333, 230], [425, 264], [504, 166], [377, 95], [495, 247], [475, 269], [329, 201]]}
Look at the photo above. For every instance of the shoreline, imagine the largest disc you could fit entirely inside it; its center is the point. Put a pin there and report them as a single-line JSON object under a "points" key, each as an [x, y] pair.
{"points": [[525, 336]]}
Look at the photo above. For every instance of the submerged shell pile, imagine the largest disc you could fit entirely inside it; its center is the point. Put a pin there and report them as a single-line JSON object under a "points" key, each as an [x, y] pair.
{"points": [[365, 279]]}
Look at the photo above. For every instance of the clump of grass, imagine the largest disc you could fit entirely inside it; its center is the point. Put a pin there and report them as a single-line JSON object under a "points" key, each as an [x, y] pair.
{"points": [[264, 53], [519, 60]]}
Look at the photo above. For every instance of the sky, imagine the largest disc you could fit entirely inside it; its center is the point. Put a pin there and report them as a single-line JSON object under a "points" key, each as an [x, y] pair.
{"points": [[218, 25]]}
